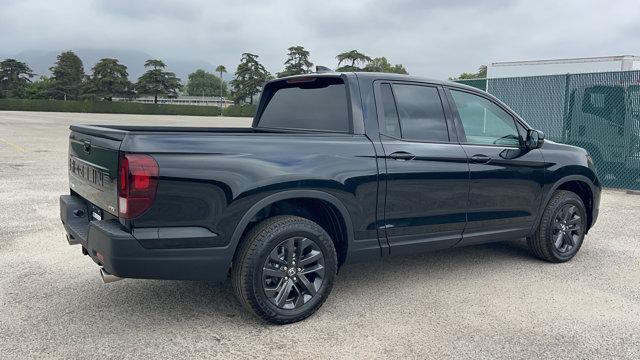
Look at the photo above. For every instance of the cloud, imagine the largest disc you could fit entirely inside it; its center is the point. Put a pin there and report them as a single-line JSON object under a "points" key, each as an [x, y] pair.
{"points": [[431, 38]]}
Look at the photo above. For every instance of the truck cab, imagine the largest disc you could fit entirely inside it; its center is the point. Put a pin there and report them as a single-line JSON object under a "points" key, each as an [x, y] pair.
{"points": [[605, 120]]}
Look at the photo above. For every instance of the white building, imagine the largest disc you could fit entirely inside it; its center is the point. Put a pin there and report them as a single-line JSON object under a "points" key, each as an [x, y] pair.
{"points": [[562, 66], [183, 100]]}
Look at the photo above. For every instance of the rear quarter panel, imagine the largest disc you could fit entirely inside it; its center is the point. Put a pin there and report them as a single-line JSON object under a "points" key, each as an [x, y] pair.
{"points": [[212, 180]]}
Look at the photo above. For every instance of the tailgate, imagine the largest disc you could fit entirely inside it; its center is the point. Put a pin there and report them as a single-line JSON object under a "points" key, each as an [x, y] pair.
{"points": [[93, 167]]}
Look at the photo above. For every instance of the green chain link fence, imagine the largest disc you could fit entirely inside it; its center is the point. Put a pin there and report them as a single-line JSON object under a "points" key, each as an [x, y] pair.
{"points": [[476, 83], [599, 112]]}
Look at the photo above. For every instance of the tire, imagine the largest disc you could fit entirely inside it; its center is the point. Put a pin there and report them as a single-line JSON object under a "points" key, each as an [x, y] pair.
{"points": [[265, 279], [561, 231]]}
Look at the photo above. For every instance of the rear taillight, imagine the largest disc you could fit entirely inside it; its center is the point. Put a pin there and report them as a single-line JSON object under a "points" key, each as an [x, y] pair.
{"points": [[137, 183]]}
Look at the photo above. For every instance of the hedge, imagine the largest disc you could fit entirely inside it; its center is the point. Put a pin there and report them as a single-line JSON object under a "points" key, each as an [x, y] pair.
{"points": [[119, 107], [247, 110]]}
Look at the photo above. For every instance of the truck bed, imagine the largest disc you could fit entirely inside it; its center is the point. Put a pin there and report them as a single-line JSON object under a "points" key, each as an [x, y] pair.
{"points": [[118, 132]]}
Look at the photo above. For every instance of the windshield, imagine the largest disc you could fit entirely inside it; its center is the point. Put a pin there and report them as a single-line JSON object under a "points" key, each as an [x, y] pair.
{"points": [[306, 103]]}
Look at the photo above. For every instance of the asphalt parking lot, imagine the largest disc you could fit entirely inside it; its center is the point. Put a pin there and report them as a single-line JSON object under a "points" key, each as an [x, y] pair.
{"points": [[488, 301]]}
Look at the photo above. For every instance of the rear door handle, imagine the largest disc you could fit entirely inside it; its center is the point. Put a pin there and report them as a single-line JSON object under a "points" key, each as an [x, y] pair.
{"points": [[480, 159], [402, 155]]}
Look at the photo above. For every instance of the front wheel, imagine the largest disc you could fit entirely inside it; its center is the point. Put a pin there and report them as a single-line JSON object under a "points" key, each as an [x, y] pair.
{"points": [[284, 269], [562, 228]]}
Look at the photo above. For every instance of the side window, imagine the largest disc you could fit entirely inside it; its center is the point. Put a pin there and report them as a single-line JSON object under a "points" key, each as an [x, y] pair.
{"points": [[484, 122], [421, 113], [389, 124]]}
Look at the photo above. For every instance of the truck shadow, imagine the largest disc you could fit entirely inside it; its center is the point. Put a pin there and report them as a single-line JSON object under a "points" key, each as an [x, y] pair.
{"points": [[214, 305]]}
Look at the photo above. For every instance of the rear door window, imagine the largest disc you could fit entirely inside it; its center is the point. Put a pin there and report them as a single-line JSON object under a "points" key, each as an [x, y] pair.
{"points": [[308, 104], [421, 113], [390, 125]]}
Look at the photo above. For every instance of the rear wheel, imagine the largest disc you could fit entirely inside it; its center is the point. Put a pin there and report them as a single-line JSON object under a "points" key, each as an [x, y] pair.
{"points": [[285, 269], [562, 228]]}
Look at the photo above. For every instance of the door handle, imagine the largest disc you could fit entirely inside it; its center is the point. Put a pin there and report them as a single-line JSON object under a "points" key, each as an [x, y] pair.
{"points": [[480, 159], [402, 155]]}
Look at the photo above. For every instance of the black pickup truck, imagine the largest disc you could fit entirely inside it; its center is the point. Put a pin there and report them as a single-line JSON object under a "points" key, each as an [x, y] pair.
{"points": [[336, 168]]}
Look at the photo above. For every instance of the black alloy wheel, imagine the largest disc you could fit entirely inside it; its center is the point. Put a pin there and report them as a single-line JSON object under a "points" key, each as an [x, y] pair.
{"points": [[293, 272], [568, 227]]}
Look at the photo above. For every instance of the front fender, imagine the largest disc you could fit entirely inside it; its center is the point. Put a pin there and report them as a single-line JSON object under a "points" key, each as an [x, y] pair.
{"points": [[589, 179]]}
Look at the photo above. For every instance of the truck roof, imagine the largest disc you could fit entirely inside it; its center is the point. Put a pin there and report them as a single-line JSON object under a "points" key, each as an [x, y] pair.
{"points": [[372, 76]]}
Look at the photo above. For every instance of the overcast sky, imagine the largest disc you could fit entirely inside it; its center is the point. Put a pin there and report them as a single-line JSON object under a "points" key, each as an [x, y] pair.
{"points": [[431, 38]]}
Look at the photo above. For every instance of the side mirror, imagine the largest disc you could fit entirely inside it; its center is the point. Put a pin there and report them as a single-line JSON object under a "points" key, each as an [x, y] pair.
{"points": [[535, 139]]}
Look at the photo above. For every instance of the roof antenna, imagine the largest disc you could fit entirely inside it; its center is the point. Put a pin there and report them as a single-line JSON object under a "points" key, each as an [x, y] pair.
{"points": [[322, 69]]}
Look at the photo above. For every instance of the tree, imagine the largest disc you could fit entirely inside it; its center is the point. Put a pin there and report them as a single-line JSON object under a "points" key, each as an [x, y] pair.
{"points": [[157, 82], [482, 71], [221, 69], [202, 83], [249, 77], [353, 57], [297, 62], [109, 79], [67, 75], [381, 64], [14, 78], [40, 89], [481, 74]]}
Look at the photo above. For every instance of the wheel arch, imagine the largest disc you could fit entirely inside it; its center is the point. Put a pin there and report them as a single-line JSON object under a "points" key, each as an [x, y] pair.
{"points": [[579, 184], [343, 243]]}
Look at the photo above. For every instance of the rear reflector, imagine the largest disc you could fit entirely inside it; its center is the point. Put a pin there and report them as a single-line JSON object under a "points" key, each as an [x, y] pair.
{"points": [[137, 183]]}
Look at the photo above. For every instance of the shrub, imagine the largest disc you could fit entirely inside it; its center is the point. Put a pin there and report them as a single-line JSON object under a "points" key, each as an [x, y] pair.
{"points": [[246, 110], [120, 107]]}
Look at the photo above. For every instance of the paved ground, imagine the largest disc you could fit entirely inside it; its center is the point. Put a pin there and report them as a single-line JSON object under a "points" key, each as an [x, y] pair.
{"points": [[489, 301]]}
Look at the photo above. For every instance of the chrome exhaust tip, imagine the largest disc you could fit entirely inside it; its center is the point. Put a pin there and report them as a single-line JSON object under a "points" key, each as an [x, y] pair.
{"points": [[108, 278]]}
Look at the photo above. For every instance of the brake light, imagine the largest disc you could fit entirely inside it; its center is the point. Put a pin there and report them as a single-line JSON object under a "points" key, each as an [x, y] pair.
{"points": [[138, 180], [299, 80]]}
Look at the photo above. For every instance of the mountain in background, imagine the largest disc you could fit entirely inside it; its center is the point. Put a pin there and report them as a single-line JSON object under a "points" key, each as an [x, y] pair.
{"points": [[41, 60]]}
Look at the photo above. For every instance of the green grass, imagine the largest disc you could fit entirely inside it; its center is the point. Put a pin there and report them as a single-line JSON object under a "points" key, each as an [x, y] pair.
{"points": [[117, 107]]}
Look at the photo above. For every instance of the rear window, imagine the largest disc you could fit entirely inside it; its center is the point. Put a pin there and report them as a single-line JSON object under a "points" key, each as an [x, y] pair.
{"points": [[306, 103]]}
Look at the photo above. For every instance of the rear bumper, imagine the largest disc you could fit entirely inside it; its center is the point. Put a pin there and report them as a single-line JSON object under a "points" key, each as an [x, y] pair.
{"points": [[121, 254]]}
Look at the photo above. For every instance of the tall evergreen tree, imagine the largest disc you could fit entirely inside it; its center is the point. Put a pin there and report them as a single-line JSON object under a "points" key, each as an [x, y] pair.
{"points": [[352, 58], [205, 83], [14, 78], [249, 77], [158, 82], [67, 74], [109, 79], [297, 62]]}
